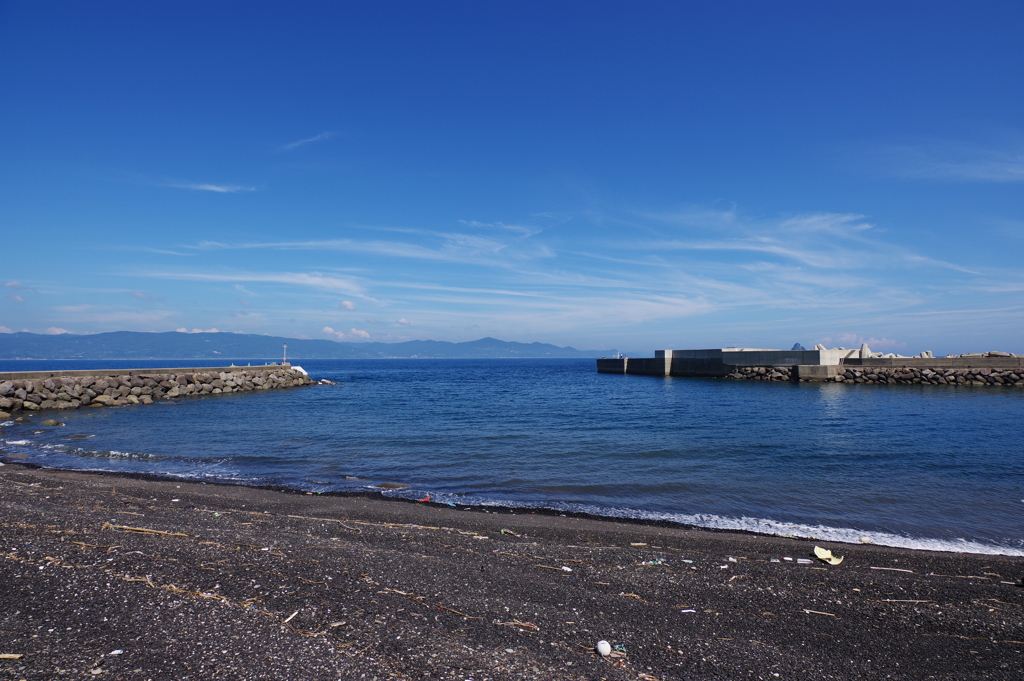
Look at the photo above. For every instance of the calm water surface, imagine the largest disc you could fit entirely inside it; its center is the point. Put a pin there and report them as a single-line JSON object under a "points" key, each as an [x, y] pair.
{"points": [[929, 467]]}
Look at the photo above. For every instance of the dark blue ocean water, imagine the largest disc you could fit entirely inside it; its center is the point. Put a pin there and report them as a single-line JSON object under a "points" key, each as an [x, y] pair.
{"points": [[938, 467]]}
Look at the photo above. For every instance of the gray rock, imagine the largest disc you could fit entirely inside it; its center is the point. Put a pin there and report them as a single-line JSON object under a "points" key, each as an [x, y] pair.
{"points": [[6, 388], [5, 415], [30, 406]]}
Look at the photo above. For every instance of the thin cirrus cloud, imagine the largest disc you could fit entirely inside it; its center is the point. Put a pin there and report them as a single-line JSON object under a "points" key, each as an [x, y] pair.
{"points": [[953, 161], [15, 298], [455, 247], [312, 280], [822, 241], [142, 296], [309, 140], [217, 188]]}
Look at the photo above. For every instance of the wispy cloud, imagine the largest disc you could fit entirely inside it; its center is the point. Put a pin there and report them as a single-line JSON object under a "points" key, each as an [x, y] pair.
{"points": [[518, 229], [16, 298], [342, 336], [55, 331], [74, 308], [14, 285], [312, 280], [143, 296], [954, 161], [346, 305], [218, 188], [318, 138], [4, 329]]}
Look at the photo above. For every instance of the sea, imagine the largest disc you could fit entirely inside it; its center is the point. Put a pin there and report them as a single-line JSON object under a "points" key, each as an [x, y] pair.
{"points": [[923, 467]]}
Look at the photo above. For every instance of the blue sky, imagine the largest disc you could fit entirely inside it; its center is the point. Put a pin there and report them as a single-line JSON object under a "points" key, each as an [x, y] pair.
{"points": [[629, 175]]}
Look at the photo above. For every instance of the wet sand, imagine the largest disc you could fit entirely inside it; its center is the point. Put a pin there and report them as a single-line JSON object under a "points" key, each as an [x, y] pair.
{"points": [[105, 576]]}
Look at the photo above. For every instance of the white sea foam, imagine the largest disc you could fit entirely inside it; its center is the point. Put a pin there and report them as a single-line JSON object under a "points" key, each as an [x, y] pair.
{"points": [[764, 526], [19, 442]]}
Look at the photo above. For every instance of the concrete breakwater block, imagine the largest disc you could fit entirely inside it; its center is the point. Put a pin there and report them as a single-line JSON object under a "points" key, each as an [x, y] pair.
{"points": [[73, 390]]}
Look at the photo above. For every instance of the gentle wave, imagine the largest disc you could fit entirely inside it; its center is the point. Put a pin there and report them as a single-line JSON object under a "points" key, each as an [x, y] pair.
{"points": [[764, 526]]}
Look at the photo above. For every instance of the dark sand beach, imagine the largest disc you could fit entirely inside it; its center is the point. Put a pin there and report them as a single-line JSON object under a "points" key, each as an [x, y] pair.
{"points": [[113, 577]]}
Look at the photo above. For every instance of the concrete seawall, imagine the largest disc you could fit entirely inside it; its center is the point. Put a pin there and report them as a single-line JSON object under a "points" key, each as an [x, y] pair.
{"points": [[777, 365], [44, 390]]}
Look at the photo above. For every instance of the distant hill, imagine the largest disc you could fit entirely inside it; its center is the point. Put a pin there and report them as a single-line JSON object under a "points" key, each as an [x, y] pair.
{"points": [[176, 345]]}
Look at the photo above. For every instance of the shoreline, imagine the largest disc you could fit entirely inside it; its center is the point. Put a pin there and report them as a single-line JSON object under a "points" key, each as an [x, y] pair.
{"points": [[839, 535], [193, 580]]}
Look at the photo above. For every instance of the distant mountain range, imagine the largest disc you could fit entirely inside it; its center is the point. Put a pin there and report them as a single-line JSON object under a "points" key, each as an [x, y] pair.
{"points": [[177, 345]]}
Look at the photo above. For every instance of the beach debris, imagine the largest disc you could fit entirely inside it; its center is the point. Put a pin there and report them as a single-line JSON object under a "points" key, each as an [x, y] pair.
{"points": [[566, 568], [687, 610], [732, 560], [825, 555], [604, 649], [142, 530], [426, 498], [656, 561], [775, 560], [291, 617], [817, 612], [11, 656], [511, 532], [517, 623], [422, 601], [787, 558], [803, 561], [638, 543], [632, 595], [865, 540], [116, 652]]}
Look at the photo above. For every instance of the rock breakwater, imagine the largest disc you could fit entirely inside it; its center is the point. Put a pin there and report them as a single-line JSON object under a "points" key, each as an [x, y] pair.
{"points": [[141, 386], [938, 376], [763, 373], [986, 376]]}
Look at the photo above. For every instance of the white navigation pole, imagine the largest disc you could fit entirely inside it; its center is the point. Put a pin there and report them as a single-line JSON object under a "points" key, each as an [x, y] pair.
{"points": [[285, 360]]}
